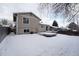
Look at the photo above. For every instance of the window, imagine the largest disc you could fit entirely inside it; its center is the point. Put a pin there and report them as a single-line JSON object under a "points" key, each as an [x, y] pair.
{"points": [[26, 30], [41, 26], [14, 17], [26, 20], [46, 28], [50, 28]]}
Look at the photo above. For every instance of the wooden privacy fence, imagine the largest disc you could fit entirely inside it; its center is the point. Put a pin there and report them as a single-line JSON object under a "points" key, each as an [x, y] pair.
{"points": [[4, 31]]}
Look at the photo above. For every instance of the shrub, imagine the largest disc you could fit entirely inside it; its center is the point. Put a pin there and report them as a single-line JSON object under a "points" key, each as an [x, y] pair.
{"points": [[31, 32]]}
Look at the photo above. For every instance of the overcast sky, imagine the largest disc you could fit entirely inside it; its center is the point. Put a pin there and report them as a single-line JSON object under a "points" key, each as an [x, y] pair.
{"points": [[6, 11]]}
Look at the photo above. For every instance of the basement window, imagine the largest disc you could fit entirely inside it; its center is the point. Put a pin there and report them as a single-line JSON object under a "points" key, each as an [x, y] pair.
{"points": [[26, 30]]}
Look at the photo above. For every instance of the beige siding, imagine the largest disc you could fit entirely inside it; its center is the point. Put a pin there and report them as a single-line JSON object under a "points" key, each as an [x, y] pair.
{"points": [[20, 24], [34, 24]]}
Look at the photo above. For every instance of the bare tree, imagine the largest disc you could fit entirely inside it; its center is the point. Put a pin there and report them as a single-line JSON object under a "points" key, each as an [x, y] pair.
{"points": [[4, 22], [67, 10]]}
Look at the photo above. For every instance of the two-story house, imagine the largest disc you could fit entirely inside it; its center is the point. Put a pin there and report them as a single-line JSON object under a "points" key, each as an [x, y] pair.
{"points": [[26, 22]]}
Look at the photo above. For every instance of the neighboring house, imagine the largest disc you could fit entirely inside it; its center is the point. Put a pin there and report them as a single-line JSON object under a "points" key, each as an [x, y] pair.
{"points": [[42, 27], [26, 22], [45, 27], [73, 26]]}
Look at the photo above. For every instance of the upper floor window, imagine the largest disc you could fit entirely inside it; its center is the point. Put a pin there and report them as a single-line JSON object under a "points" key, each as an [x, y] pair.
{"points": [[14, 17], [25, 20]]}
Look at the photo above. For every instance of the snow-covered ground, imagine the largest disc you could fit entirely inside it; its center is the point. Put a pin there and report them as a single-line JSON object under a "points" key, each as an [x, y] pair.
{"points": [[35, 44]]}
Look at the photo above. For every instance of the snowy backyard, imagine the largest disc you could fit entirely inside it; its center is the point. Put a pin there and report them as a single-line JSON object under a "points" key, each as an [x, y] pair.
{"points": [[38, 45]]}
